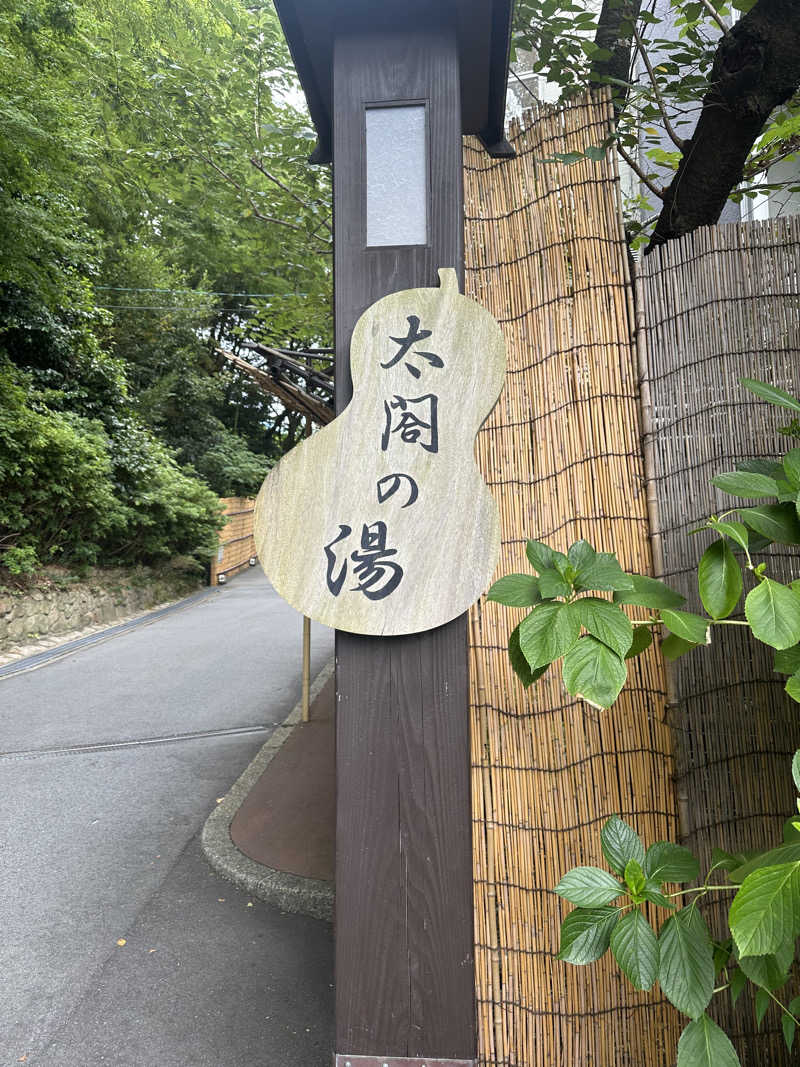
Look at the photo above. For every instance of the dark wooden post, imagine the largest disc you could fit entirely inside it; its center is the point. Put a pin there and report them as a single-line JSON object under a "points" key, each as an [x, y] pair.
{"points": [[404, 918]]}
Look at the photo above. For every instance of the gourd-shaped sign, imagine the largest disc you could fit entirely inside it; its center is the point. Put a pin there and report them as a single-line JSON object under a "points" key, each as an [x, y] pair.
{"points": [[381, 523]]}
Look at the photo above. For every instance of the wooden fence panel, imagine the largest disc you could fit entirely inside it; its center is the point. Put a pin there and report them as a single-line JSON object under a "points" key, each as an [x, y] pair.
{"points": [[722, 304], [546, 254]]}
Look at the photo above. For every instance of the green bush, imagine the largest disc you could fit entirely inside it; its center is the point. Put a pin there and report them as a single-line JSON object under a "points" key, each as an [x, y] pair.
{"points": [[56, 495], [71, 492], [165, 510]]}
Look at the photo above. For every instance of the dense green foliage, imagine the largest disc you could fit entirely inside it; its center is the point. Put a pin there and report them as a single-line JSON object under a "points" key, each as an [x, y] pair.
{"points": [[155, 209], [659, 61], [596, 636], [763, 923]]}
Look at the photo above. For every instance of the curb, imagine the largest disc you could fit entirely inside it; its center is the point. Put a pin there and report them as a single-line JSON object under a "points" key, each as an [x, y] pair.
{"points": [[289, 892]]}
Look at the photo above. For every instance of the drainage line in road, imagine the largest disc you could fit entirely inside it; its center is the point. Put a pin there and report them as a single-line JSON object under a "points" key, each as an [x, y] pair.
{"points": [[110, 746]]}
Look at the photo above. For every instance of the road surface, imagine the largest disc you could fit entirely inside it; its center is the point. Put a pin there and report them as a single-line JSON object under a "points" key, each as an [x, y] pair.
{"points": [[119, 945]]}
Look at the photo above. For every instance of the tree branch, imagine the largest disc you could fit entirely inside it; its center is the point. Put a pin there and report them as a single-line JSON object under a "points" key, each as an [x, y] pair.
{"points": [[259, 165], [676, 140], [756, 69], [714, 15], [641, 175]]}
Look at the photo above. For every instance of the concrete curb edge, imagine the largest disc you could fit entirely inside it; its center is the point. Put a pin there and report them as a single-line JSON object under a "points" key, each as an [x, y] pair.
{"points": [[290, 892]]}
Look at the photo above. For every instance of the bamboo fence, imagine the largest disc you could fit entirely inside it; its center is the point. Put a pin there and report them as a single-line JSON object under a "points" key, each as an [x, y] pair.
{"points": [[236, 543], [722, 304], [546, 254]]}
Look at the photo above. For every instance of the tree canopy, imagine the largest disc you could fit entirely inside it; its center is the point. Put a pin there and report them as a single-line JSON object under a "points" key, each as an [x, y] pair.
{"points": [[155, 207], [705, 92]]}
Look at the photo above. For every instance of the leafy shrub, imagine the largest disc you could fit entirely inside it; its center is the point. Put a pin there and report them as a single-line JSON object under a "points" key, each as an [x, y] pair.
{"points": [[56, 495], [70, 491], [230, 468], [164, 510], [763, 922], [19, 561], [596, 637]]}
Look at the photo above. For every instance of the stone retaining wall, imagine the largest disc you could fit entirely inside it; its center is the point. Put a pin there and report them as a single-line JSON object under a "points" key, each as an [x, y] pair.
{"points": [[61, 604]]}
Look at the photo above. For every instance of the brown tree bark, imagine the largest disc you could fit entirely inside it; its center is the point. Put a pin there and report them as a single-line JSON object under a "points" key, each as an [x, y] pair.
{"points": [[615, 35], [756, 69]]}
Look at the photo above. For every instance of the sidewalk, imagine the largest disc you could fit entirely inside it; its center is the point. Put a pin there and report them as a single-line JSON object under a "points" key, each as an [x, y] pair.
{"points": [[273, 834]]}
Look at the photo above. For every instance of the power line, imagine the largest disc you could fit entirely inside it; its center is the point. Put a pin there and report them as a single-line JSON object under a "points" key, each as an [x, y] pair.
{"points": [[174, 307], [201, 292]]}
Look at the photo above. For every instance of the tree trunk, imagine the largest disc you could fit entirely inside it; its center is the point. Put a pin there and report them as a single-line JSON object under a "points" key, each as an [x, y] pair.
{"points": [[756, 69], [615, 36]]}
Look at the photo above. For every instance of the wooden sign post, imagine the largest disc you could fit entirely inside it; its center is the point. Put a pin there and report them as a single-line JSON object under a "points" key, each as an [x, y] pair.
{"points": [[391, 87]]}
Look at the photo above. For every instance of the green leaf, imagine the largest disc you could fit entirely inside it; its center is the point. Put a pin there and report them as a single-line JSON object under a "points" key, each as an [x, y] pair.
{"points": [[792, 687], [724, 861], [581, 554], [665, 862], [606, 622], [586, 934], [791, 464], [771, 858], [686, 970], [791, 831], [796, 769], [738, 982], [602, 573], [689, 627], [589, 887], [722, 954], [649, 593], [551, 585], [542, 557], [515, 591], [778, 522], [770, 467], [592, 672], [673, 646], [719, 579], [788, 1025], [736, 531], [771, 393], [773, 611], [635, 948], [642, 639], [787, 661], [704, 1044], [762, 1003], [770, 971], [765, 913], [745, 484], [655, 896], [522, 668], [634, 877], [548, 633], [620, 844]]}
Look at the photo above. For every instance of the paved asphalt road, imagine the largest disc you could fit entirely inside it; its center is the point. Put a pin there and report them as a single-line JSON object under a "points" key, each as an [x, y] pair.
{"points": [[100, 844]]}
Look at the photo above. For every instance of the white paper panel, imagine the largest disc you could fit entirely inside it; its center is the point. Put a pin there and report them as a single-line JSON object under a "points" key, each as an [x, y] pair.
{"points": [[397, 176]]}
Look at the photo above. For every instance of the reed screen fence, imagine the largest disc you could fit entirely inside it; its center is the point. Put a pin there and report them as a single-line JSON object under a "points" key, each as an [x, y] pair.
{"points": [[236, 543], [546, 254], [722, 304]]}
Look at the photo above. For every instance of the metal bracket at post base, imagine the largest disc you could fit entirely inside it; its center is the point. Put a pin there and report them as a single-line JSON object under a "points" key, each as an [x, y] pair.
{"points": [[398, 1061]]}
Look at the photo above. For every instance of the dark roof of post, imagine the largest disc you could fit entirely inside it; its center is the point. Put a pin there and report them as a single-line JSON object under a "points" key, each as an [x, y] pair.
{"points": [[484, 33]]}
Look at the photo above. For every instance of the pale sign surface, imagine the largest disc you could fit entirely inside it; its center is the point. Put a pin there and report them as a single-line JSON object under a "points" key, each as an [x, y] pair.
{"points": [[381, 523]]}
